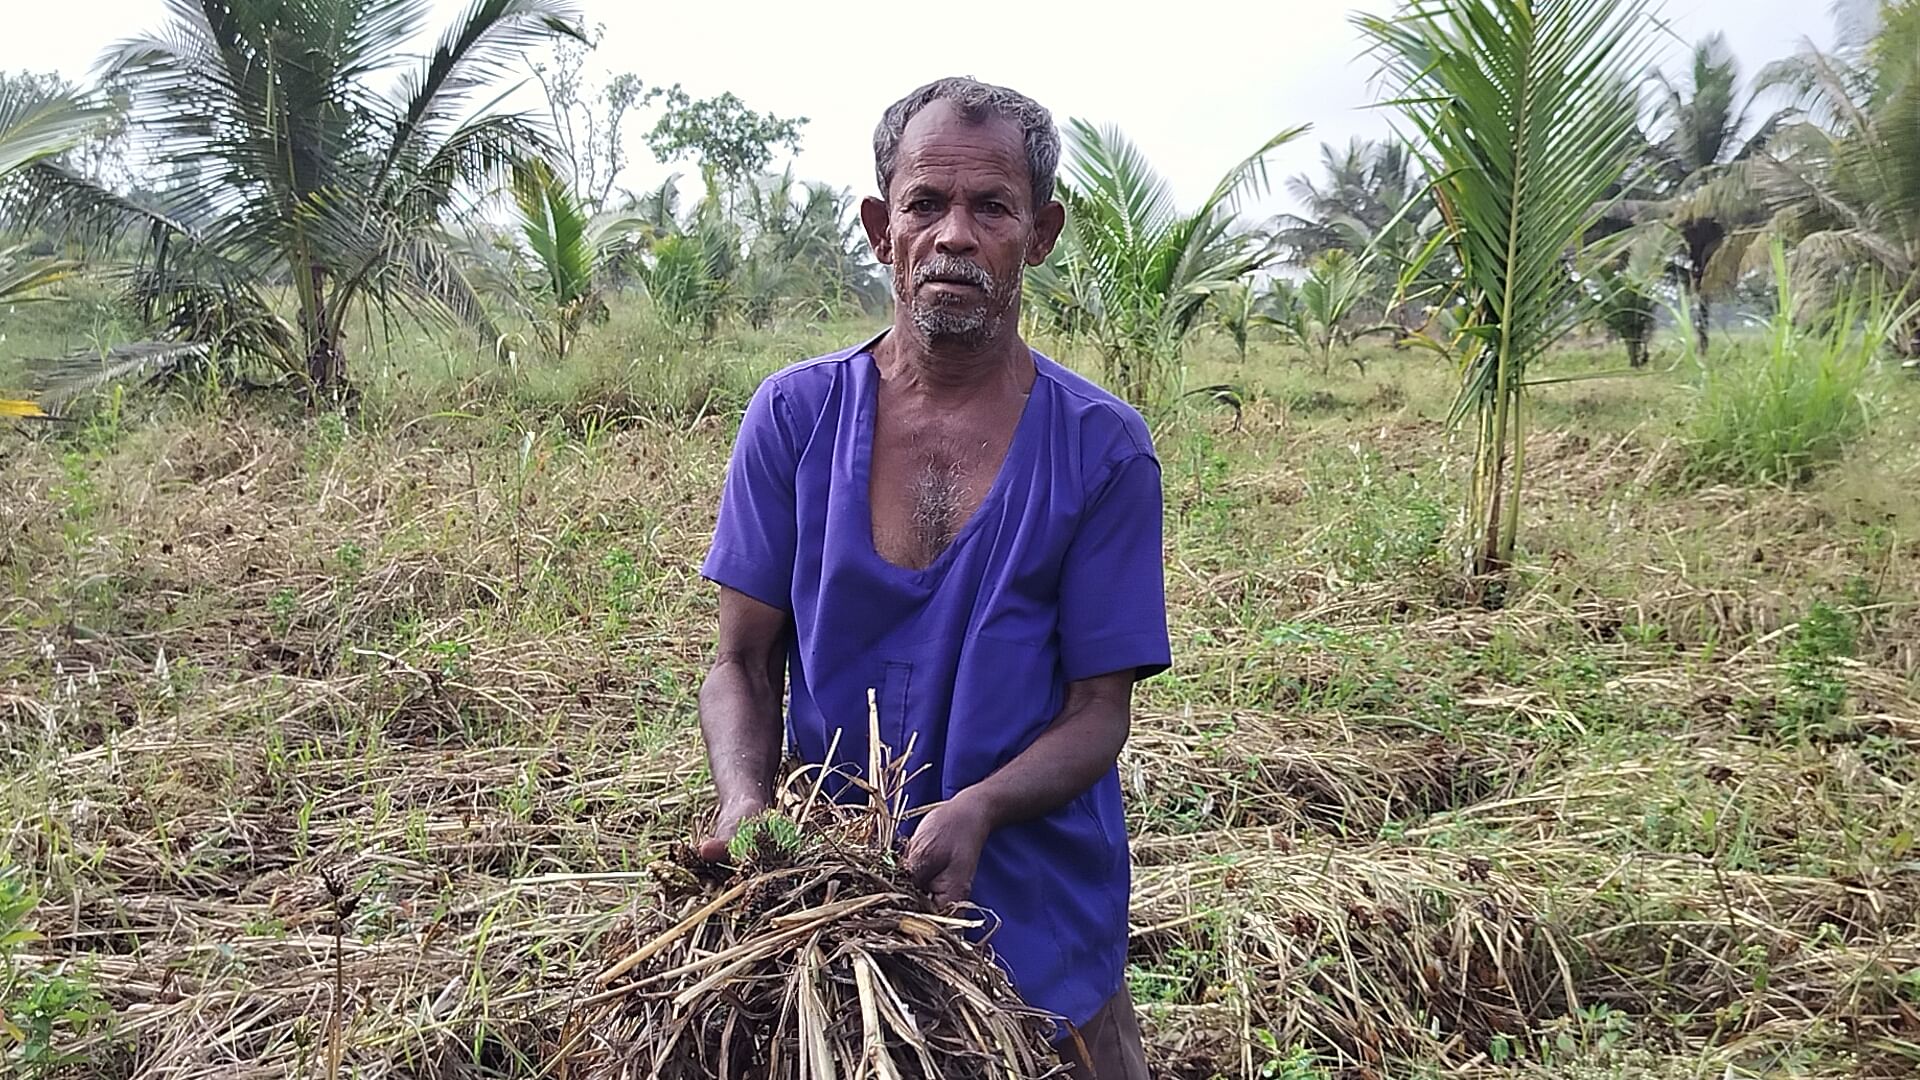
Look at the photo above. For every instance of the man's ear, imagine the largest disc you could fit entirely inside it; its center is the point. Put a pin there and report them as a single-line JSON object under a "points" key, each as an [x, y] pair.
{"points": [[1047, 225], [873, 215]]}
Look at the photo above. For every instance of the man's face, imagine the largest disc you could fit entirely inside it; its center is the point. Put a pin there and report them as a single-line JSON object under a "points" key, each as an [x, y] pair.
{"points": [[958, 226]]}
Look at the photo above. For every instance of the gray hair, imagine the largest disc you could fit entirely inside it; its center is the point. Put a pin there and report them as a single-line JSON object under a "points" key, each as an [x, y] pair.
{"points": [[976, 101]]}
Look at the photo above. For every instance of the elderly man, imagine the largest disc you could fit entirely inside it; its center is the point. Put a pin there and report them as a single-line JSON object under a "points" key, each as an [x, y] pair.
{"points": [[949, 519]]}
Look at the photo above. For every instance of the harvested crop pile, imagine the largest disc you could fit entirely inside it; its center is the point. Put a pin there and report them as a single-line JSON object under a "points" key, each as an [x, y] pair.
{"points": [[813, 957]]}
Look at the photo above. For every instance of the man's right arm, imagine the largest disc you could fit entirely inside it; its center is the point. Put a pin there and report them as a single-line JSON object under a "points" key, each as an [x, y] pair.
{"points": [[740, 713]]}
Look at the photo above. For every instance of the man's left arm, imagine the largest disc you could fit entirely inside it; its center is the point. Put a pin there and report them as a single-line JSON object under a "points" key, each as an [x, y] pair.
{"points": [[1113, 631], [1067, 759]]}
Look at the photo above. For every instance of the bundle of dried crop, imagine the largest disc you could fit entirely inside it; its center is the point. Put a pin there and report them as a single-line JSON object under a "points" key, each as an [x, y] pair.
{"points": [[812, 956]]}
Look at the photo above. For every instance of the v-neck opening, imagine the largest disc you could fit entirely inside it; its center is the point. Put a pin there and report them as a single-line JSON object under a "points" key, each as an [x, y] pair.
{"points": [[868, 428]]}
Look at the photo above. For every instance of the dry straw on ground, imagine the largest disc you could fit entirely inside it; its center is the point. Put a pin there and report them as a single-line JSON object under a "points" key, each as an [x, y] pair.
{"points": [[241, 659]]}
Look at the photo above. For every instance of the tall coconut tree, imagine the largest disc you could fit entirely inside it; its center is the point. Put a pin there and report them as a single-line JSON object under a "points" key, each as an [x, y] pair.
{"points": [[1705, 136], [1363, 187], [310, 150], [1843, 183], [1525, 110], [1372, 201], [805, 251], [1133, 271]]}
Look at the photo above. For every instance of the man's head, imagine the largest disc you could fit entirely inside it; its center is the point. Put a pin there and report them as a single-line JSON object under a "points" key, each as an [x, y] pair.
{"points": [[966, 174]]}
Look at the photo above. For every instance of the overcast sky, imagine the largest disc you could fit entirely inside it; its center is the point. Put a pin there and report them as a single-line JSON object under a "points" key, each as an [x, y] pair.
{"points": [[1197, 87]]}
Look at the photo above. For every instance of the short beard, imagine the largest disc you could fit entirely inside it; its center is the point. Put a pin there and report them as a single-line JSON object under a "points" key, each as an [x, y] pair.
{"points": [[942, 325], [963, 329]]}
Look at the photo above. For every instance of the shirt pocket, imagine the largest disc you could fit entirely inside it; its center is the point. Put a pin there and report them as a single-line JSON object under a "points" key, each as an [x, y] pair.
{"points": [[891, 700]]}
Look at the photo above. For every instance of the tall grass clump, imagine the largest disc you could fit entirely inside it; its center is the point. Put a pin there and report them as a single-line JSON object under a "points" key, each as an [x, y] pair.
{"points": [[1777, 414]]}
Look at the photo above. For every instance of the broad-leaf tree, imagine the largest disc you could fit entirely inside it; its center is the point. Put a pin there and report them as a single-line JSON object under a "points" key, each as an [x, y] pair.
{"points": [[729, 141], [1132, 270], [309, 147], [1526, 112], [588, 117]]}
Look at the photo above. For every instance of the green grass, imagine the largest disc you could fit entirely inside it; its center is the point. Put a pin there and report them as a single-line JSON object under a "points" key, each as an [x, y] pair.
{"points": [[446, 648], [1779, 411]]}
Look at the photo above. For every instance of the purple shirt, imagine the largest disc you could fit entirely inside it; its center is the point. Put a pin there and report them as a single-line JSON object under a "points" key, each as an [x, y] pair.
{"points": [[1057, 577]]}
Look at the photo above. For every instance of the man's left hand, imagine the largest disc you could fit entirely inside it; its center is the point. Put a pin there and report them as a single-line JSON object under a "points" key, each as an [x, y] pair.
{"points": [[945, 849]]}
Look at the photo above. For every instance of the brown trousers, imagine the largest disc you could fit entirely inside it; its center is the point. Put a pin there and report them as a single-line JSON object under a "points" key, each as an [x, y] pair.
{"points": [[1109, 1046]]}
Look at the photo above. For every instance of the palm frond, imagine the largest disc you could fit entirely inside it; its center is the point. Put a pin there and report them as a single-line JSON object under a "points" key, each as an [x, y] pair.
{"points": [[438, 287], [479, 151], [1135, 271], [475, 51], [24, 410], [32, 127], [49, 195], [554, 224], [68, 379], [21, 279]]}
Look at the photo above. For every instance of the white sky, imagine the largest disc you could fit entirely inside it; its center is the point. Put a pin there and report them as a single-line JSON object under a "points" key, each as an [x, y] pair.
{"points": [[1197, 88]]}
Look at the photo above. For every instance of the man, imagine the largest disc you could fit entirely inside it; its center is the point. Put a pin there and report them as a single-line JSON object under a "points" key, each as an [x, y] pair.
{"points": [[952, 521]]}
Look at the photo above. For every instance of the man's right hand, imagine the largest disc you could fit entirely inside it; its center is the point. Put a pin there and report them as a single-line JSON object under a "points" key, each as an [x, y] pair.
{"points": [[740, 714], [713, 849]]}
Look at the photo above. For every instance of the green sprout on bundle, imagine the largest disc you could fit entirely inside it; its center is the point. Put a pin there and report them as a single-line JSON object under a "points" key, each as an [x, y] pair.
{"points": [[770, 837]]}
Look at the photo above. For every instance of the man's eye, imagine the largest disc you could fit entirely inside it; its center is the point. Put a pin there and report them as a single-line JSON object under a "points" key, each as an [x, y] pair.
{"points": [[920, 206], [993, 208]]}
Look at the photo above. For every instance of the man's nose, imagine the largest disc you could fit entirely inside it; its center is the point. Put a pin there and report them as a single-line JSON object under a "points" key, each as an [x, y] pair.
{"points": [[957, 235]]}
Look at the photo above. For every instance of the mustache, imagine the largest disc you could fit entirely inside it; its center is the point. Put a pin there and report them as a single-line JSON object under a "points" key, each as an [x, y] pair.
{"points": [[952, 268]]}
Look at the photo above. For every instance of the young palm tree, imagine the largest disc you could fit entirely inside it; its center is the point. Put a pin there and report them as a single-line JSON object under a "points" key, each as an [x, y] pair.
{"points": [[571, 251], [1328, 301], [689, 282], [297, 166], [659, 207], [1622, 279], [1525, 109], [1236, 309], [1133, 271], [693, 277]]}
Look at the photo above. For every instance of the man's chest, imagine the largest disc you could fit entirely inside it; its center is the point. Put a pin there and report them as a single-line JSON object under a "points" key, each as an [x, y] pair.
{"points": [[928, 478]]}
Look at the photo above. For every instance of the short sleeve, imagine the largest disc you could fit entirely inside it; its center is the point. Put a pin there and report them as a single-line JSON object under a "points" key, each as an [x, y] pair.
{"points": [[753, 540], [1113, 605]]}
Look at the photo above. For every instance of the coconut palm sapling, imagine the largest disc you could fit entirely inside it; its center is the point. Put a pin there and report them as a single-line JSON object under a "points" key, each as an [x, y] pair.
{"points": [[1524, 111]]}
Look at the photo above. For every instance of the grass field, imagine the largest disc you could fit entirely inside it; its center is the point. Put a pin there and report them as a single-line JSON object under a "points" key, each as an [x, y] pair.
{"points": [[335, 745]]}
